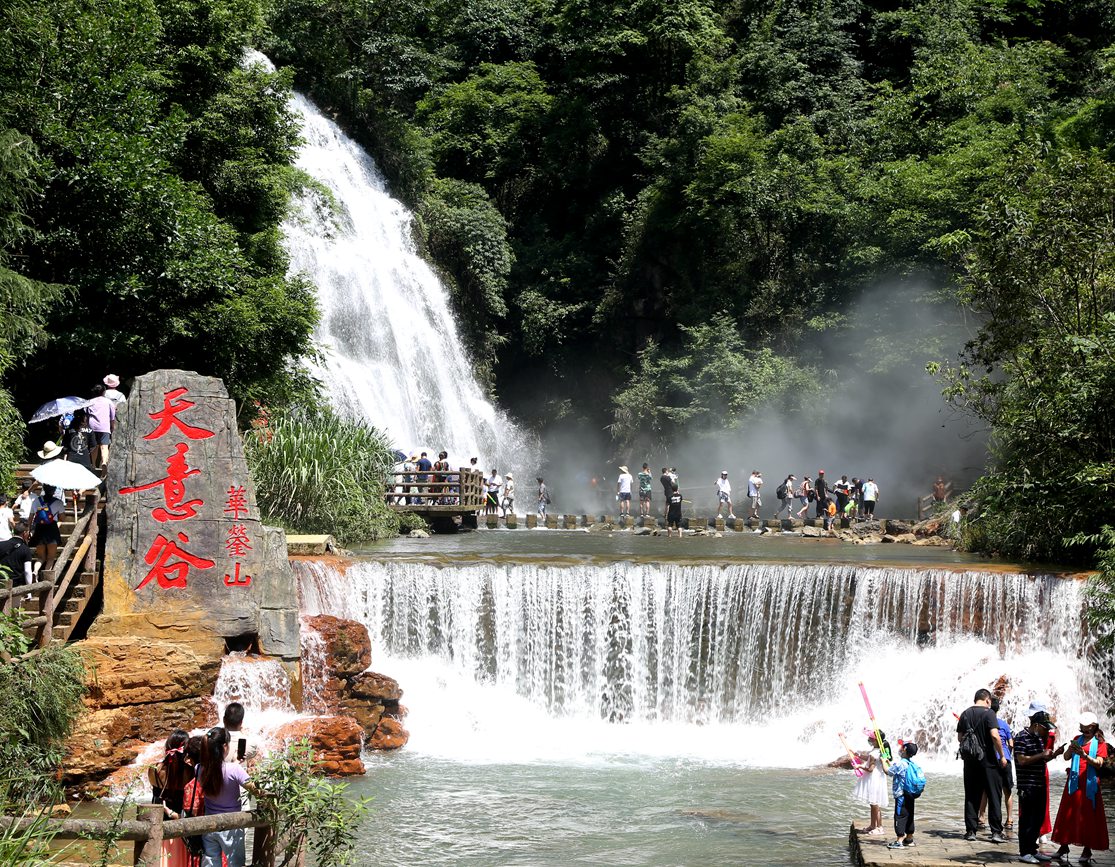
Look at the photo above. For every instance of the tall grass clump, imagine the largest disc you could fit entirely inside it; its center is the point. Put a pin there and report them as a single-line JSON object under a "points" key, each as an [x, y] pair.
{"points": [[316, 472]]}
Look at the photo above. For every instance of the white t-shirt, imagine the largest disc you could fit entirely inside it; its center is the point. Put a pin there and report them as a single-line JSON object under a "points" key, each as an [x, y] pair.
{"points": [[6, 516], [115, 396], [870, 491], [23, 503], [625, 481], [494, 484], [724, 486]]}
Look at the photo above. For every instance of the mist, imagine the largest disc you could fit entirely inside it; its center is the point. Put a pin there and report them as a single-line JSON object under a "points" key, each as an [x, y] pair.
{"points": [[878, 414]]}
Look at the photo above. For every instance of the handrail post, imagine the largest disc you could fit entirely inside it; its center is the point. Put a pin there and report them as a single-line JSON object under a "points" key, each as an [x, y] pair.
{"points": [[148, 852], [46, 609]]}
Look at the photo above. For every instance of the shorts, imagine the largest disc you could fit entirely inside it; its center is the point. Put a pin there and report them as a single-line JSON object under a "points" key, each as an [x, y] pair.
{"points": [[724, 498], [625, 498], [644, 496], [673, 517], [45, 534], [103, 437], [1007, 775], [492, 500], [756, 501]]}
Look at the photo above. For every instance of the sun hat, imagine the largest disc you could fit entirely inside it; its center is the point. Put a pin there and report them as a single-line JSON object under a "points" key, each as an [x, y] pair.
{"points": [[1087, 719], [112, 380], [820, 472], [1036, 707], [622, 468], [50, 449], [510, 476], [723, 472]]}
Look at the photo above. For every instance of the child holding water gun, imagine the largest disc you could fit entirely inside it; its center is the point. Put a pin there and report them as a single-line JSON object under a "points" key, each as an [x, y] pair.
{"points": [[871, 788]]}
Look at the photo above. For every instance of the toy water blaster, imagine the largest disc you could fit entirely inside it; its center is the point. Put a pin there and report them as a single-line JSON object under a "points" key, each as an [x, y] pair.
{"points": [[884, 753], [856, 765]]}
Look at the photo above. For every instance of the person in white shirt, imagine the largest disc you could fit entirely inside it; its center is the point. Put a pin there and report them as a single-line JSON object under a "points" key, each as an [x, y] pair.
{"points": [[508, 495], [23, 501], [724, 495], [754, 485], [112, 383], [870, 496], [623, 491], [493, 484], [7, 519]]}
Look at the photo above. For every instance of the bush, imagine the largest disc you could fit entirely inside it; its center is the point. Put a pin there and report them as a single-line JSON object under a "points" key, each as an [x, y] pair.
{"points": [[318, 473], [40, 699], [307, 810]]}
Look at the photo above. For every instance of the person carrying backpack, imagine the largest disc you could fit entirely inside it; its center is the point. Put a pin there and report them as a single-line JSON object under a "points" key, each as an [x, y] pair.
{"points": [[909, 783], [977, 731], [46, 512]]}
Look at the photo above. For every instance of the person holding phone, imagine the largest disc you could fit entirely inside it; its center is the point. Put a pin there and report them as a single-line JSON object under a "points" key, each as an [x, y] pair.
{"points": [[245, 748], [221, 781], [1081, 820]]}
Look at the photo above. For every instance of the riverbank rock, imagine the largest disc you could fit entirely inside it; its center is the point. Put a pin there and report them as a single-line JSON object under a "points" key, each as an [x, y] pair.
{"points": [[342, 684], [348, 647], [336, 741], [142, 671], [903, 538]]}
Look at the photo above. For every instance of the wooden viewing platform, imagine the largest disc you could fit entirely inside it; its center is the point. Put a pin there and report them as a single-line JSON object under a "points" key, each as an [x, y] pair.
{"points": [[442, 494]]}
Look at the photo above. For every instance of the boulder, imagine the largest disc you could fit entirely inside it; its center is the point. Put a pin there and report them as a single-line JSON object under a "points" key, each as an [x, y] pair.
{"points": [[930, 527], [933, 542], [418, 534], [369, 684], [142, 671], [904, 538], [389, 735], [335, 740], [812, 532], [898, 528], [348, 648], [103, 740]]}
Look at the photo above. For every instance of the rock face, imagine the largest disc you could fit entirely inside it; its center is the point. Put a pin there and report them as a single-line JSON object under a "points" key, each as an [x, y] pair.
{"points": [[336, 741], [185, 542], [338, 655]]}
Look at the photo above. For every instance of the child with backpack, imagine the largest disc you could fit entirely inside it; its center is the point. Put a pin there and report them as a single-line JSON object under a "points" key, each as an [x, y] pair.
{"points": [[909, 783]]}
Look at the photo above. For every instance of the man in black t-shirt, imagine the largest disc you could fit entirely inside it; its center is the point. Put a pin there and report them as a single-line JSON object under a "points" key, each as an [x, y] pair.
{"points": [[1032, 784], [821, 488], [981, 775], [17, 557]]}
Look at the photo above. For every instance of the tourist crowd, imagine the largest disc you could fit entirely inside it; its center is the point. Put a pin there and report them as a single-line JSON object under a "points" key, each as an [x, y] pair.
{"points": [[1002, 765]]}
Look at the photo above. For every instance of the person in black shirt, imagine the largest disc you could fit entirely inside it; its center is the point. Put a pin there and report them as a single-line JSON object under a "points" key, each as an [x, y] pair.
{"points": [[1032, 784], [17, 557], [981, 775], [821, 488]]}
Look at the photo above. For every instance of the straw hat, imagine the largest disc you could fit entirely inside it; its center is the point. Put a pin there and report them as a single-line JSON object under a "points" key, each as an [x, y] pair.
{"points": [[50, 450]]}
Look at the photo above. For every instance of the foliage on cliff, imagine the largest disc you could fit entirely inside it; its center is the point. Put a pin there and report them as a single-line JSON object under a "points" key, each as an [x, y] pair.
{"points": [[40, 699], [316, 472], [145, 169]]}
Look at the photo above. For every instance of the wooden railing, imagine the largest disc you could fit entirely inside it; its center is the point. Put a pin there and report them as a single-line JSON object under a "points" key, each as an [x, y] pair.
{"points": [[149, 831], [449, 491], [78, 557]]}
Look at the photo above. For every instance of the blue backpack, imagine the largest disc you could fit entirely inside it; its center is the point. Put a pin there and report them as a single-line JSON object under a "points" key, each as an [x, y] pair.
{"points": [[913, 780]]}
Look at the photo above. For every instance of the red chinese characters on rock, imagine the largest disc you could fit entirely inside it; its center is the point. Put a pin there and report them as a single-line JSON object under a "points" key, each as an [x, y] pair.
{"points": [[170, 563], [237, 541]]}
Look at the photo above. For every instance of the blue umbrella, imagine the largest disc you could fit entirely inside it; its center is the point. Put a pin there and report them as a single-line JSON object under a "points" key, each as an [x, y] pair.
{"points": [[61, 406], [400, 456]]}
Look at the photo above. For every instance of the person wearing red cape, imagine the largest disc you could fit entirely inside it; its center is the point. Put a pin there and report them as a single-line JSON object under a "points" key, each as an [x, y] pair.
{"points": [[1081, 820]]}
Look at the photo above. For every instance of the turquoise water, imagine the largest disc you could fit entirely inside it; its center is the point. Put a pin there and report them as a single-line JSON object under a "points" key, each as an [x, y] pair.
{"points": [[432, 811]]}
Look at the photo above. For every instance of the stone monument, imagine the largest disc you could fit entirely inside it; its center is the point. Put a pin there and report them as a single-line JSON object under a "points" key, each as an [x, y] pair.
{"points": [[186, 551]]}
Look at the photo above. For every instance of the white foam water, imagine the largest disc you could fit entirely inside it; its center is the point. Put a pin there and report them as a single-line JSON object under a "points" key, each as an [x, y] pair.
{"points": [[751, 664], [392, 352]]}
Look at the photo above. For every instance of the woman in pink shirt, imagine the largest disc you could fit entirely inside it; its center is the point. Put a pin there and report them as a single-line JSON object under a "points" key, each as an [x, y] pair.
{"points": [[221, 782]]}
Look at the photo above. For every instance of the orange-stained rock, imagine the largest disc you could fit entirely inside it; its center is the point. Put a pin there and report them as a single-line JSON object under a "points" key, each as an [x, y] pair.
{"points": [[389, 735], [141, 670], [348, 648], [105, 739], [336, 741], [371, 684]]}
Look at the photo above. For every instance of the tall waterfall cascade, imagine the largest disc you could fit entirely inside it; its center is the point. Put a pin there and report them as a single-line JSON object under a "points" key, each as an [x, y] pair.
{"points": [[391, 351], [729, 659]]}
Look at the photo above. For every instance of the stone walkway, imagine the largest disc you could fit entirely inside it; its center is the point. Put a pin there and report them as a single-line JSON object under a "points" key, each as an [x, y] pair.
{"points": [[940, 843]]}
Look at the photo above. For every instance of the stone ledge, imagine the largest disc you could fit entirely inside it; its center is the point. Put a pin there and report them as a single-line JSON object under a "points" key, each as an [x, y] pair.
{"points": [[308, 546]]}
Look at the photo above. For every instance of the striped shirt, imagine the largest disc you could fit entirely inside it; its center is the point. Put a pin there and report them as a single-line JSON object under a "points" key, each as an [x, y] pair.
{"points": [[1029, 778]]}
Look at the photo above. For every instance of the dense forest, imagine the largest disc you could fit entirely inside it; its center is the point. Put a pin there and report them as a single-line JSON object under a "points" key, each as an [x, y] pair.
{"points": [[652, 216]]}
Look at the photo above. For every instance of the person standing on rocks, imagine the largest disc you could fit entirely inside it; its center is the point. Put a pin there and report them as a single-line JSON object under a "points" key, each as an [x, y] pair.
{"points": [[673, 511], [805, 496], [821, 488], [508, 495], [1031, 760], [977, 731], [843, 491], [543, 498], [623, 491], [645, 482], [754, 488], [724, 495], [492, 485], [870, 497], [785, 494]]}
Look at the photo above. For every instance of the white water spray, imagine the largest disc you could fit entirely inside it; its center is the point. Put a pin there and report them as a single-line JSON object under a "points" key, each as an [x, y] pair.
{"points": [[392, 352], [753, 664]]}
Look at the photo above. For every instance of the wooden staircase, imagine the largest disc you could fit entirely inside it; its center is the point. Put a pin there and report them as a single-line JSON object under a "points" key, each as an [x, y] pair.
{"points": [[55, 603]]}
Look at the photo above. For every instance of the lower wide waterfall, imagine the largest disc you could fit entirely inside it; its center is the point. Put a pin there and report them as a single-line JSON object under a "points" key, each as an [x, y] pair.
{"points": [[759, 661]]}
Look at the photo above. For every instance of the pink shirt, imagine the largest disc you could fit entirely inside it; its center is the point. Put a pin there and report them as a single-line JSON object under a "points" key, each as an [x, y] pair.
{"points": [[101, 412]]}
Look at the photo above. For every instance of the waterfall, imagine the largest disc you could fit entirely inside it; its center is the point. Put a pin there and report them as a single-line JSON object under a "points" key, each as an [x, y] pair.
{"points": [[734, 648], [391, 349], [259, 683]]}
